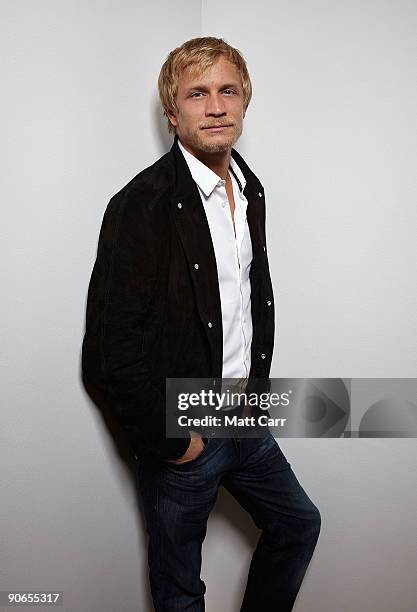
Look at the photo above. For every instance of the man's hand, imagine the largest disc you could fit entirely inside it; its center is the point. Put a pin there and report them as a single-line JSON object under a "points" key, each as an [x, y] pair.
{"points": [[195, 447]]}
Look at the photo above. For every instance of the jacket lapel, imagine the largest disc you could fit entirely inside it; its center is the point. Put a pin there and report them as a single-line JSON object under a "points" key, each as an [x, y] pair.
{"points": [[254, 194]]}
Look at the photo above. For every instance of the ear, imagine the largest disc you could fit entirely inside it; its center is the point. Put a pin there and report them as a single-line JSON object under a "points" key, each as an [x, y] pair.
{"points": [[171, 117]]}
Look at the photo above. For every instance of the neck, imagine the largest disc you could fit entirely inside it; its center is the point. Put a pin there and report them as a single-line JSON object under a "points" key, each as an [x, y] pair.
{"points": [[217, 162]]}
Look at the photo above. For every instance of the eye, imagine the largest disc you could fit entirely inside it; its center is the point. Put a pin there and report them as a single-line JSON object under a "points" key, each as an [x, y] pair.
{"points": [[232, 91], [195, 93]]}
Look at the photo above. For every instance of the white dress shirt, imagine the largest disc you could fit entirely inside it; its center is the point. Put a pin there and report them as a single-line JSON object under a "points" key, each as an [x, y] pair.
{"points": [[233, 258]]}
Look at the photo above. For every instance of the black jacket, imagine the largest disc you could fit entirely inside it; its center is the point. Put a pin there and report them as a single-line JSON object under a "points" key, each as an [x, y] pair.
{"points": [[149, 304]]}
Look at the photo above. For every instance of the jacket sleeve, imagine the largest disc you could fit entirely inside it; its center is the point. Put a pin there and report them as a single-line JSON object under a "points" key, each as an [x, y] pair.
{"points": [[122, 285]]}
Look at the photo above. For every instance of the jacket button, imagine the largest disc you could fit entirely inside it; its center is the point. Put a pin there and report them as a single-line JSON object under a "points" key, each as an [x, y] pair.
{"points": [[196, 266], [269, 302], [210, 324], [179, 205], [263, 356], [264, 248], [260, 194]]}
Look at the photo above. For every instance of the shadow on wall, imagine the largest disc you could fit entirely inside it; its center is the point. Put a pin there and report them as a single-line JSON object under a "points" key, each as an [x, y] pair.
{"points": [[122, 453], [165, 139]]}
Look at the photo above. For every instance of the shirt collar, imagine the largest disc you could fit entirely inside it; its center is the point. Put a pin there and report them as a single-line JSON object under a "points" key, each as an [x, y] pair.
{"points": [[205, 178]]}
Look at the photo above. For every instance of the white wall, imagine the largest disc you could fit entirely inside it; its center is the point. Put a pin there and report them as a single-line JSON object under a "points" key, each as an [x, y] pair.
{"points": [[331, 133]]}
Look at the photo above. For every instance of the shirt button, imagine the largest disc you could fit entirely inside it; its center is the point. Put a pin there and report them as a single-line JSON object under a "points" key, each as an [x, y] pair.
{"points": [[179, 205], [196, 266], [269, 302], [263, 356], [210, 324], [223, 204]]}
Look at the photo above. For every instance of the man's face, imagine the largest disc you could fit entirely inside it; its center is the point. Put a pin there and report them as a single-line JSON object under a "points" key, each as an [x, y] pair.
{"points": [[214, 98]]}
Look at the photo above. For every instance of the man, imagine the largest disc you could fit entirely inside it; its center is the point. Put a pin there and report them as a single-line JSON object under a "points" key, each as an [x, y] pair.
{"points": [[181, 289]]}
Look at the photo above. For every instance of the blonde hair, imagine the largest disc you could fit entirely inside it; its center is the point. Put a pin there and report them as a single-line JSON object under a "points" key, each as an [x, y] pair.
{"points": [[199, 54]]}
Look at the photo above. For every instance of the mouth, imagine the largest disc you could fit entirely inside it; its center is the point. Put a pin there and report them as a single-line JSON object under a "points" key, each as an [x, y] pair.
{"points": [[216, 128]]}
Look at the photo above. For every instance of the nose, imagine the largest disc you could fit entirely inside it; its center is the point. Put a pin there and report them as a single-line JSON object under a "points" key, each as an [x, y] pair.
{"points": [[215, 105]]}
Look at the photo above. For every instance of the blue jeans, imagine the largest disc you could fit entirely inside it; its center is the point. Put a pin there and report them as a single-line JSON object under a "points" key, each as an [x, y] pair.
{"points": [[178, 498]]}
